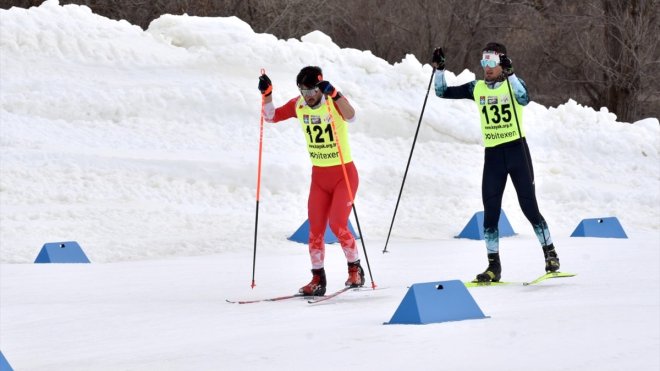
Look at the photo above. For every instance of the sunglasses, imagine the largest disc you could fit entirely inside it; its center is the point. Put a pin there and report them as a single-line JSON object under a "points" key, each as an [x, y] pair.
{"points": [[308, 92], [488, 63], [490, 59]]}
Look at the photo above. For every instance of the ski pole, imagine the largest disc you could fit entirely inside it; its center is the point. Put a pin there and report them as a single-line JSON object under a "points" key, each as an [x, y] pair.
{"points": [[256, 216], [350, 191], [527, 160], [419, 123]]}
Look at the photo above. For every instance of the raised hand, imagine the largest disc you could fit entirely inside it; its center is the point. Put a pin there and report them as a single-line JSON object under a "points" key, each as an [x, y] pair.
{"points": [[438, 59], [265, 86], [507, 66]]}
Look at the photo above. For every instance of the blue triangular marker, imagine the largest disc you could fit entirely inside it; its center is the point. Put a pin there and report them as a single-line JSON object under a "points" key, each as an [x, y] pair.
{"points": [[434, 302]]}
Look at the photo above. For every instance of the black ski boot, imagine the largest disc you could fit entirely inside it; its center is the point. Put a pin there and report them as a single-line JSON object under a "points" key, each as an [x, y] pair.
{"points": [[551, 259], [316, 287], [494, 271]]}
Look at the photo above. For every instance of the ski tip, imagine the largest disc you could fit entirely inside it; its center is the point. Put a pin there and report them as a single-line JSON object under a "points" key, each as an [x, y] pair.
{"points": [[547, 276], [317, 299]]}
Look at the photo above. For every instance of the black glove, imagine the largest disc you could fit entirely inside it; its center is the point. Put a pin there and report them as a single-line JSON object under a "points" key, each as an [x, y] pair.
{"points": [[507, 67], [438, 59], [327, 88], [265, 86]]}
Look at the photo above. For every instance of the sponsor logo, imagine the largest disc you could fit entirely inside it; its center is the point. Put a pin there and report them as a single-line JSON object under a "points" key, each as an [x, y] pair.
{"points": [[482, 100], [323, 156], [492, 100], [507, 135]]}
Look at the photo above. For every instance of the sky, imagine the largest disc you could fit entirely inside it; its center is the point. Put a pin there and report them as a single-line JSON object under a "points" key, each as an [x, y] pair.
{"points": [[142, 146]]}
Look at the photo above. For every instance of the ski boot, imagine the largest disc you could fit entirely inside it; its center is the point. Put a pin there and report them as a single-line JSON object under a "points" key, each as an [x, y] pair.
{"points": [[316, 287], [551, 259], [355, 275], [494, 271]]}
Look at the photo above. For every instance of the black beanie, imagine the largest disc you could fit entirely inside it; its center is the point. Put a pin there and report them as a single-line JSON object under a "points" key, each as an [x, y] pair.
{"points": [[494, 47]]}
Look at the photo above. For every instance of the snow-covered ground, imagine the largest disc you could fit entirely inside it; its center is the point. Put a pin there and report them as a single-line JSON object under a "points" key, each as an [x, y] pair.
{"points": [[142, 146]]}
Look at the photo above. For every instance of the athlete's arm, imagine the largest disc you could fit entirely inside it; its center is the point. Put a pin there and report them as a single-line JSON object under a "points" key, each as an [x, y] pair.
{"points": [[345, 108], [519, 90], [452, 92], [272, 114]]}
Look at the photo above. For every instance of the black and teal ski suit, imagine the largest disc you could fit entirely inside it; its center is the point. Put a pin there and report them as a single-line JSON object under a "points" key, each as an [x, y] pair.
{"points": [[506, 153]]}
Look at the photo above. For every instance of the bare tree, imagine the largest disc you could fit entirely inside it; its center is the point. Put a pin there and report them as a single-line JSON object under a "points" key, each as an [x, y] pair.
{"points": [[629, 58], [606, 52], [598, 52]]}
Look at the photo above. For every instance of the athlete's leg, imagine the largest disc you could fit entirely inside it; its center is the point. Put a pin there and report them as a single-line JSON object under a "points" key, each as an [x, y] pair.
{"points": [[522, 177], [318, 207], [493, 183], [340, 210]]}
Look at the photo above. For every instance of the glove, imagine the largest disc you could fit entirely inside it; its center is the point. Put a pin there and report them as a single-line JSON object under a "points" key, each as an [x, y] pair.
{"points": [[265, 86], [327, 89], [438, 59], [507, 67]]}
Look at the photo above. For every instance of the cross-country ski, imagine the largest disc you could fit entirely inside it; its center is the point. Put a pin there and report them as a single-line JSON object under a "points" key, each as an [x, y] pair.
{"points": [[525, 283], [276, 298]]}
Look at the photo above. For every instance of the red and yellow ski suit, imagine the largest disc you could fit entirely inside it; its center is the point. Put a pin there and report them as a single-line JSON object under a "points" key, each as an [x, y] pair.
{"points": [[329, 200]]}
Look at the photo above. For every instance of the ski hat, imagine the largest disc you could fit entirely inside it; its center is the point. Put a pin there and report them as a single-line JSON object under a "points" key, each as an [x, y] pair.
{"points": [[309, 76], [494, 47]]}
